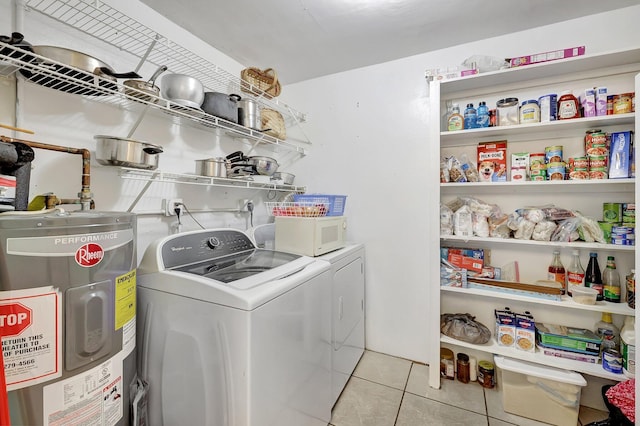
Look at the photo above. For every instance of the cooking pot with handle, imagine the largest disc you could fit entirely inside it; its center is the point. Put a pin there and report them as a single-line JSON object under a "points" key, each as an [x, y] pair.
{"points": [[115, 151], [221, 105], [212, 167]]}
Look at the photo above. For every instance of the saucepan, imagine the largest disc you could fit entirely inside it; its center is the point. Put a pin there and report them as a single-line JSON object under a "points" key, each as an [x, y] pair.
{"points": [[183, 90], [212, 167], [145, 90], [115, 151], [68, 62], [286, 178]]}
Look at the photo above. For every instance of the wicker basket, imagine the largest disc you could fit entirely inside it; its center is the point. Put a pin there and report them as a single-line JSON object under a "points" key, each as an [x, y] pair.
{"points": [[273, 120], [260, 82]]}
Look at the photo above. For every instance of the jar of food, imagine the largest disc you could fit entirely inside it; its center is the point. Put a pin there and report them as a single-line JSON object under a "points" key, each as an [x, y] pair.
{"points": [[568, 106], [486, 374], [530, 112], [548, 107], [508, 111], [446, 364], [463, 367]]}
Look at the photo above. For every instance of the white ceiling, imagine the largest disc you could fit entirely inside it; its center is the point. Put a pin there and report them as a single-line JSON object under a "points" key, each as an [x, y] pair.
{"points": [[303, 39]]}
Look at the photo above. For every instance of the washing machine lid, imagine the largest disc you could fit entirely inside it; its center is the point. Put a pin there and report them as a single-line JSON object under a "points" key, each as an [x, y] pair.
{"points": [[228, 269]]}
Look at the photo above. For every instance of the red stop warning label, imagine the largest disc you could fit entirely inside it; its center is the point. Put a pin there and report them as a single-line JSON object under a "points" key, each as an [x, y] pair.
{"points": [[14, 318]]}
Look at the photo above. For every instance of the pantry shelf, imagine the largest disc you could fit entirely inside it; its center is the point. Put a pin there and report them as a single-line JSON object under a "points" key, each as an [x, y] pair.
{"points": [[538, 357], [515, 241], [574, 186], [566, 302], [542, 131]]}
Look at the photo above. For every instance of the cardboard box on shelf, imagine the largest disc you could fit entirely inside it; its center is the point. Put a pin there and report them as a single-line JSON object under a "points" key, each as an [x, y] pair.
{"points": [[553, 55], [492, 161]]}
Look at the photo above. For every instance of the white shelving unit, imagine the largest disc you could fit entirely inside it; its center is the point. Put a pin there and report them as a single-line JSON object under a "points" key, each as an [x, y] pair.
{"points": [[616, 69]]}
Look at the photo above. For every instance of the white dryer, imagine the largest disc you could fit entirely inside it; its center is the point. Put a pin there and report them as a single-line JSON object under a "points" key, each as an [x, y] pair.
{"points": [[233, 335], [347, 301]]}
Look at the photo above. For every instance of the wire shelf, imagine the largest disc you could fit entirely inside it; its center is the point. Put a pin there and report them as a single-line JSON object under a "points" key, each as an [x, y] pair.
{"points": [[297, 209], [100, 20], [193, 179], [59, 76]]}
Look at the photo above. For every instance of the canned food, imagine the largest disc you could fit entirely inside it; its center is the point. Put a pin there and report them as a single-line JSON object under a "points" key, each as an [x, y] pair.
{"points": [[553, 154], [579, 174], [595, 143], [486, 374], [598, 173], [555, 171], [622, 103], [612, 361], [612, 212], [598, 162], [538, 178], [537, 161], [579, 163]]}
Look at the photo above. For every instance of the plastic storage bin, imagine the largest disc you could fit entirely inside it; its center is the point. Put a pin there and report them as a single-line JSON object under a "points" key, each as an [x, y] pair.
{"points": [[538, 392], [336, 202]]}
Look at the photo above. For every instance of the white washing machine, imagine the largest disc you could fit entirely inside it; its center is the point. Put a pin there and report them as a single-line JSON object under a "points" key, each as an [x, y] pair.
{"points": [[347, 334], [233, 335]]}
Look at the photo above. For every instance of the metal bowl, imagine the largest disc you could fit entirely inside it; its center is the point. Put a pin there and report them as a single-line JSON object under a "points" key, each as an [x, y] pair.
{"points": [[266, 166], [286, 178], [182, 89]]}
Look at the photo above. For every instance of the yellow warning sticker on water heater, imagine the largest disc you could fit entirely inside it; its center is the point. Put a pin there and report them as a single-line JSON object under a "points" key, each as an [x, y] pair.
{"points": [[125, 298]]}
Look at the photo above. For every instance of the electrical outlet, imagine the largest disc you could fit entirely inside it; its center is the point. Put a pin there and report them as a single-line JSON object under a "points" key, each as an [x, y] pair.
{"points": [[245, 205], [170, 206]]}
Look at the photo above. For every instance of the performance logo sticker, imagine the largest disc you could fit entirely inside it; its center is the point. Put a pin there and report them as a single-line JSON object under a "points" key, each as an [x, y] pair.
{"points": [[89, 255]]}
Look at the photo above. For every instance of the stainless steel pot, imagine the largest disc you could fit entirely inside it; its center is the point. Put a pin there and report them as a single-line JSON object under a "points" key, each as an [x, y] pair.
{"points": [[71, 61], [212, 167], [115, 151], [249, 114], [183, 90]]}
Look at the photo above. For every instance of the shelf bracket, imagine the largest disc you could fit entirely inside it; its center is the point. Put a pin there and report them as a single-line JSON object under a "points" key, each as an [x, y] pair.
{"points": [[143, 191], [146, 54]]}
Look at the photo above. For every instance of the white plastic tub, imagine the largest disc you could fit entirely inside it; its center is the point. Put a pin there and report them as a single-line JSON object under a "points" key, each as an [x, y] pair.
{"points": [[538, 392]]}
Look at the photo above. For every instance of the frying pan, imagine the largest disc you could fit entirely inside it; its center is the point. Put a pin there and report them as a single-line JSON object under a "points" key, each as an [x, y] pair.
{"points": [[150, 92], [76, 65]]}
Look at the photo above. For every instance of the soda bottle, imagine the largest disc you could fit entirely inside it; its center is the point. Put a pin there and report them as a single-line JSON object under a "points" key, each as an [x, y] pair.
{"points": [[575, 272], [592, 277], [470, 117], [556, 270], [611, 282], [483, 115]]}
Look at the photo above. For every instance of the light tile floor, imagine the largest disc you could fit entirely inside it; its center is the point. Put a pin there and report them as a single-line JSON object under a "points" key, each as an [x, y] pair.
{"points": [[390, 391]]}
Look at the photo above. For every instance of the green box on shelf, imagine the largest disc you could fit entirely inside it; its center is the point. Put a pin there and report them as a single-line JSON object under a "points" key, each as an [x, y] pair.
{"points": [[568, 338]]}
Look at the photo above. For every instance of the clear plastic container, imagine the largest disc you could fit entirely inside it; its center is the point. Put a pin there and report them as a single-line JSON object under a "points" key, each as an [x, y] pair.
{"points": [[584, 295]]}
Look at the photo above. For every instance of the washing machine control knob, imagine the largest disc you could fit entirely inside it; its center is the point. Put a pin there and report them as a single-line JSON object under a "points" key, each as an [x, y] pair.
{"points": [[213, 242]]}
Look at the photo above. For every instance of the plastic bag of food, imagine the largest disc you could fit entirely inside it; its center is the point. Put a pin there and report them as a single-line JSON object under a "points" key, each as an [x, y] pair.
{"points": [[463, 222], [590, 231], [532, 214], [464, 327], [444, 172], [484, 63], [498, 227], [456, 174], [480, 225], [556, 213], [514, 220], [469, 168], [455, 204], [566, 230], [525, 230], [446, 220], [543, 230]]}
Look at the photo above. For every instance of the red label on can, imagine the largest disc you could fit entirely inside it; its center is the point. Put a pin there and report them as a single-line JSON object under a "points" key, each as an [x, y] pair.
{"points": [[89, 255]]}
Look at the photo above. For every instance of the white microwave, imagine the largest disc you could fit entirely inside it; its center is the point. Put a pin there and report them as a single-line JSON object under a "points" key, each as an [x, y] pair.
{"points": [[310, 236]]}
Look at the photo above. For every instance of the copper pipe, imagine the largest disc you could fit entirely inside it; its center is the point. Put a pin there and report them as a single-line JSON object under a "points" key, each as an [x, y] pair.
{"points": [[85, 196]]}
